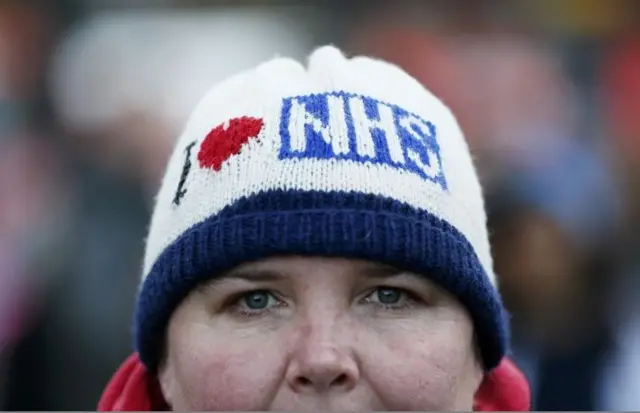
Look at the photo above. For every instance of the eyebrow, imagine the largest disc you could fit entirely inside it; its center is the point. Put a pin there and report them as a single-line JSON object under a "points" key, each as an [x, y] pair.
{"points": [[379, 271], [373, 270], [254, 275]]}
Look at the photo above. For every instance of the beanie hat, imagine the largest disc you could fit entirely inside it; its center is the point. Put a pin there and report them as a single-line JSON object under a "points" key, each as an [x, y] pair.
{"points": [[346, 157]]}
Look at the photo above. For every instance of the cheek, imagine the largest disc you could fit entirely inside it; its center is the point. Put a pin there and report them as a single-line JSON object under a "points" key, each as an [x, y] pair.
{"points": [[225, 374], [418, 368]]}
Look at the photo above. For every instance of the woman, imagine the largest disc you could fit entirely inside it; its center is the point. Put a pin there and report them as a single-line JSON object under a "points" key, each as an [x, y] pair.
{"points": [[319, 243]]}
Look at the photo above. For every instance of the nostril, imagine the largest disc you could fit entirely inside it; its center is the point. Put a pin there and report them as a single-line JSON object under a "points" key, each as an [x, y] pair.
{"points": [[303, 381], [340, 380]]}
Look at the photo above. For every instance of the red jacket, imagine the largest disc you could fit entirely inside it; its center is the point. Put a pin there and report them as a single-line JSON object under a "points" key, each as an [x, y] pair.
{"points": [[132, 388]]}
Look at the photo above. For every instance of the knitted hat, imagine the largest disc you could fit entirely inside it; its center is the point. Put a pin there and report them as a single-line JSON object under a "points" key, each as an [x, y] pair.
{"points": [[347, 158]]}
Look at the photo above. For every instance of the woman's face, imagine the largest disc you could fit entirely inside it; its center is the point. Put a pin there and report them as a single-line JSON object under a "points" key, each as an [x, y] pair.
{"points": [[320, 334]]}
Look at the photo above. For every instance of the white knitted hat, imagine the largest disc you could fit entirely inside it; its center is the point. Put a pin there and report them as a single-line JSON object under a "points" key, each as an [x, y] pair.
{"points": [[345, 157]]}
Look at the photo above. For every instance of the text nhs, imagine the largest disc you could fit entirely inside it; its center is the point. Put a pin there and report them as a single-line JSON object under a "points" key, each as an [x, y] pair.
{"points": [[362, 129]]}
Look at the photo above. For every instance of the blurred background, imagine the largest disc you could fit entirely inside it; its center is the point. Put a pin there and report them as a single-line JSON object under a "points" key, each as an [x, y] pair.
{"points": [[93, 93]]}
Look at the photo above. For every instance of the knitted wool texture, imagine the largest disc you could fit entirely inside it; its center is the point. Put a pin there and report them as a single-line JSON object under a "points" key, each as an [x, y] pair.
{"points": [[346, 157]]}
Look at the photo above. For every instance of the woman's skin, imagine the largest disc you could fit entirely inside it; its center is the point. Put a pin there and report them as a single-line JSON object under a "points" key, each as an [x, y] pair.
{"points": [[301, 333]]}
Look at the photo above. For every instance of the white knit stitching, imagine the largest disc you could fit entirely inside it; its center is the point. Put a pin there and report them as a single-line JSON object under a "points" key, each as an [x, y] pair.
{"points": [[257, 167]]}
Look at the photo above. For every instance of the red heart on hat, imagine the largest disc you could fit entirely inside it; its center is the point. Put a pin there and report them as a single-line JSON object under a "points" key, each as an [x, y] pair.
{"points": [[224, 142]]}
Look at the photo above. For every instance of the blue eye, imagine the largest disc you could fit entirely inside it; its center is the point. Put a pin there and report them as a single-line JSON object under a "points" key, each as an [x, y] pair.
{"points": [[389, 296], [257, 300]]}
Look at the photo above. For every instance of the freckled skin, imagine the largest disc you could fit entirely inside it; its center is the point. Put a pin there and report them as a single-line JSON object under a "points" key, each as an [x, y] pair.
{"points": [[322, 346]]}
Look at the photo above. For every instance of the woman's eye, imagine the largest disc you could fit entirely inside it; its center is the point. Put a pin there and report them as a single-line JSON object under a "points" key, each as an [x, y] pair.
{"points": [[254, 304], [388, 296], [257, 301]]}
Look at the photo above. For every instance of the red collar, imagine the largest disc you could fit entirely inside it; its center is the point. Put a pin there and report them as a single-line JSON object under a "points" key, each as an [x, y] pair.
{"points": [[132, 388]]}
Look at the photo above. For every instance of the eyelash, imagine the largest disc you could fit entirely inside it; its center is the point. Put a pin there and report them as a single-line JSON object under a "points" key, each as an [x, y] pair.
{"points": [[407, 299], [235, 304]]}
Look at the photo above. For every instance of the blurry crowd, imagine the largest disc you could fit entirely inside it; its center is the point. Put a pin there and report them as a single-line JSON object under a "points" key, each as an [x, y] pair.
{"points": [[93, 93]]}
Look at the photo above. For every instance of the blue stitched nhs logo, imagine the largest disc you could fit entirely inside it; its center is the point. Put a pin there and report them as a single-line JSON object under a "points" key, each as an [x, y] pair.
{"points": [[322, 126]]}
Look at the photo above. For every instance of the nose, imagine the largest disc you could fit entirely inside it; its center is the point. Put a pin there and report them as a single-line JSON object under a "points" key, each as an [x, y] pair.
{"points": [[322, 366], [325, 371]]}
